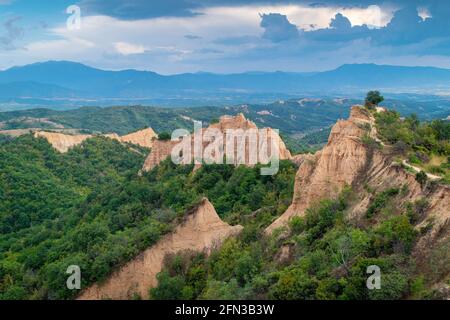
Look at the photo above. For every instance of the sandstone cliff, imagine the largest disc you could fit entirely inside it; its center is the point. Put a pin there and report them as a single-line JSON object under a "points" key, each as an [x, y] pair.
{"points": [[202, 230], [347, 160], [63, 142], [339, 163], [162, 149], [143, 138]]}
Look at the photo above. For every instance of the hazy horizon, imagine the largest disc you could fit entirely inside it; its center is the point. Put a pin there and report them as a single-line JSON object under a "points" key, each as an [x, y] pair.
{"points": [[222, 73]]}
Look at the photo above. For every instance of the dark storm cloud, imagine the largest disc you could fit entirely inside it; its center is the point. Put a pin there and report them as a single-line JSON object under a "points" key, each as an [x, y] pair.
{"points": [[340, 30], [405, 28], [278, 28], [141, 9], [12, 32], [406, 31]]}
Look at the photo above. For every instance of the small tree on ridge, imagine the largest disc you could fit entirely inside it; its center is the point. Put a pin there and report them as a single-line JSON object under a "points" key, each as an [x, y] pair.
{"points": [[373, 99]]}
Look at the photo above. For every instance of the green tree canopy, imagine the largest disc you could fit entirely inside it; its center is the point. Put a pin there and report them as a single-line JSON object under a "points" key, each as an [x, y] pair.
{"points": [[164, 136], [373, 99]]}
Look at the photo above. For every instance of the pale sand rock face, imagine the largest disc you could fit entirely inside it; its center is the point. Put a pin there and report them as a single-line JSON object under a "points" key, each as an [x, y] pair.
{"points": [[63, 142], [345, 160], [201, 231], [162, 149], [338, 164], [143, 138]]}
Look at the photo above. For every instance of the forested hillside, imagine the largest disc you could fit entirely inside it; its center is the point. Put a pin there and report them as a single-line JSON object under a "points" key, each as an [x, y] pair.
{"points": [[324, 252], [289, 117], [322, 256], [90, 207], [304, 123], [300, 116]]}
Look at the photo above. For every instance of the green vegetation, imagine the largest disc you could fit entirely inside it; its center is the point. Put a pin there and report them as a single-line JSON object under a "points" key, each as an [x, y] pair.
{"points": [[327, 258], [308, 143], [89, 207], [290, 118], [132, 118], [380, 200], [373, 99], [164, 136], [421, 177], [241, 195], [85, 207], [425, 144]]}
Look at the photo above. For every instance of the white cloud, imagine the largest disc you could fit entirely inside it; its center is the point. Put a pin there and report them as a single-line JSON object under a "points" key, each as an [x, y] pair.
{"points": [[160, 44], [373, 16], [126, 49], [424, 13], [305, 17]]}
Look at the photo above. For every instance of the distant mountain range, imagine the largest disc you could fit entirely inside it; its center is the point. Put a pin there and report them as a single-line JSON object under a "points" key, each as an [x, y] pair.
{"points": [[63, 80]]}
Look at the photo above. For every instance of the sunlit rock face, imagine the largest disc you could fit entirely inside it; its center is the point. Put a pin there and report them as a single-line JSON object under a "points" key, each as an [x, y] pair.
{"points": [[163, 149], [347, 161], [63, 142]]}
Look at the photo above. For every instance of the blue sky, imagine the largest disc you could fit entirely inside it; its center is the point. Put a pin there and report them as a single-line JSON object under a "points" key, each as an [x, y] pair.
{"points": [[175, 36]]}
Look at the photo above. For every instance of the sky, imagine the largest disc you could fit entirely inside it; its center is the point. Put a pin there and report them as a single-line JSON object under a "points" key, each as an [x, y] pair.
{"points": [[225, 36]]}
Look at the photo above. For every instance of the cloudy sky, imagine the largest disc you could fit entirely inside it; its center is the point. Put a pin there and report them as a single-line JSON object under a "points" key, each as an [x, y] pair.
{"points": [[175, 36]]}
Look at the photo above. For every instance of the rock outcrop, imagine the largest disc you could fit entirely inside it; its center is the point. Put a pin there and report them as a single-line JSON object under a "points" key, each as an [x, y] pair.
{"points": [[339, 163], [348, 160], [202, 230], [162, 149], [143, 138], [63, 142]]}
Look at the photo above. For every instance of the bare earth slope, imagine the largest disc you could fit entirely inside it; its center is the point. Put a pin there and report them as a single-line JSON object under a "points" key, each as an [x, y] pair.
{"points": [[143, 138], [201, 231], [63, 142]]}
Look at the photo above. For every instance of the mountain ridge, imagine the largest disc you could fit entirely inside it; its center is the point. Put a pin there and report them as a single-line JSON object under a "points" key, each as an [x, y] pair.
{"points": [[81, 81]]}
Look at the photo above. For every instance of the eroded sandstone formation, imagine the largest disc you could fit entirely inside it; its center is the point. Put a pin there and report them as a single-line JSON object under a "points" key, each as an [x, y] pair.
{"points": [[339, 163], [163, 149], [348, 160], [202, 230], [160, 151], [143, 138], [63, 142]]}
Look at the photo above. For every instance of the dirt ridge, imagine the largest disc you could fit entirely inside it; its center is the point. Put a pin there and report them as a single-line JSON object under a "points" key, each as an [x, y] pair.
{"points": [[202, 230]]}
